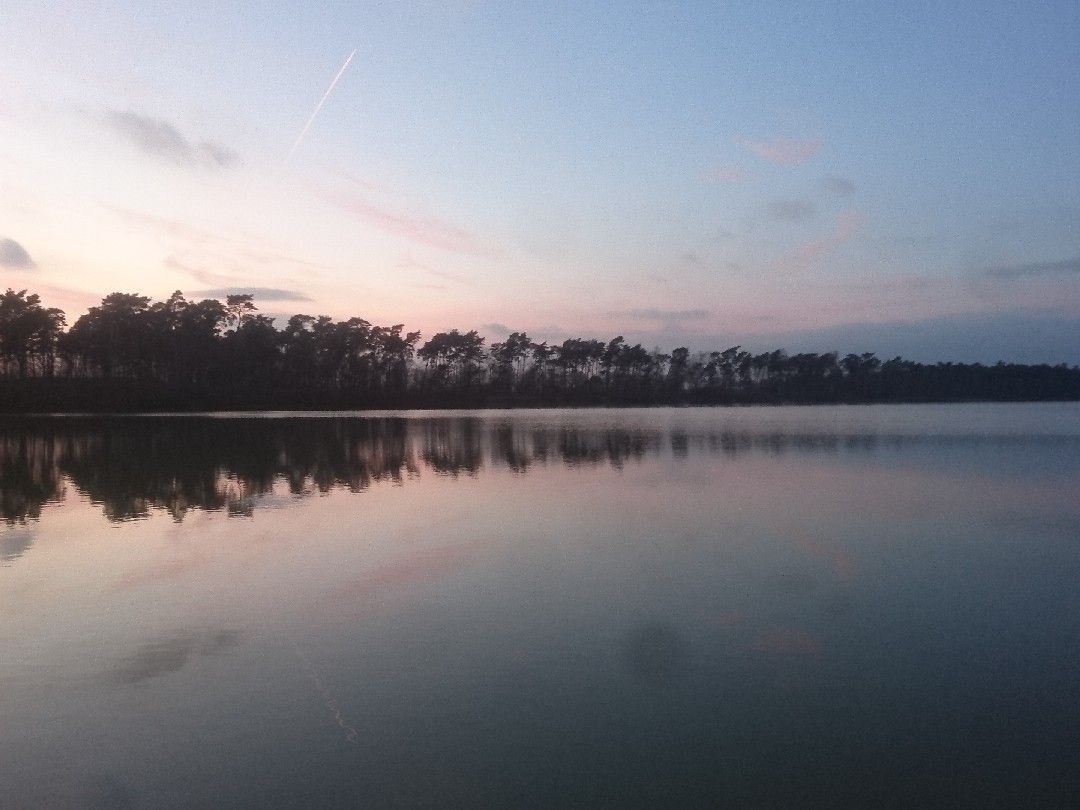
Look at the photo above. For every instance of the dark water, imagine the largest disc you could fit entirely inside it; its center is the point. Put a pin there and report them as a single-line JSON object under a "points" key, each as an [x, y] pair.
{"points": [[874, 606]]}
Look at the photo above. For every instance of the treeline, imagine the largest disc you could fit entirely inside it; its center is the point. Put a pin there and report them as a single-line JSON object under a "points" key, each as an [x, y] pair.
{"points": [[130, 353]]}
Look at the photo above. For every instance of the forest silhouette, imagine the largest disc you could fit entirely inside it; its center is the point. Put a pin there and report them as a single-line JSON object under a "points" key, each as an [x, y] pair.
{"points": [[133, 354]]}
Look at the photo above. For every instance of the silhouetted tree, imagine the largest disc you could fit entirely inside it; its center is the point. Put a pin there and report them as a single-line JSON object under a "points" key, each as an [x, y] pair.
{"points": [[509, 358], [238, 307], [453, 357], [28, 332]]}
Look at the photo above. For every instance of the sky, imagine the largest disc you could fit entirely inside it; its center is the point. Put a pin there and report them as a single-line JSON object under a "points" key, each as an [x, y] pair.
{"points": [[891, 177]]}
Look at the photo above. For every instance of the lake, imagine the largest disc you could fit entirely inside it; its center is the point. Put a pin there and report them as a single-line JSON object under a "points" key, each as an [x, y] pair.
{"points": [[862, 606]]}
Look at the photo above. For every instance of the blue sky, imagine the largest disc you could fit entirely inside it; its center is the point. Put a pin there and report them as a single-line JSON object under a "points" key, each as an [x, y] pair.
{"points": [[700, 174]]}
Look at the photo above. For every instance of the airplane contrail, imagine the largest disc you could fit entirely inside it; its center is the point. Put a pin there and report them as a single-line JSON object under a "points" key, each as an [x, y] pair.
{"points": [[322, 101]]}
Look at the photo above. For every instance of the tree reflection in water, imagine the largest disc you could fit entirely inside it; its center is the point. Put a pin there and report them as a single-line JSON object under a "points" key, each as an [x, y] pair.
{"points": [[132, 466]]}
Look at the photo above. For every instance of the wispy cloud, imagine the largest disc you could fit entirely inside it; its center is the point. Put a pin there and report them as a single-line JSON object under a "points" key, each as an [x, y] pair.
{"points": [[812, 251], [217, 155], [407, 262], [355, 182], [443, 274], [14, 255], [839, 186], [200, 274], [258, 293], [545, 332], [1063, 267], [668, 319], [847, 225], [784, 151], [199, 246], [728, 175], [668, 314], [419, 229], [162, 140], [791, 210], [182, 231]]}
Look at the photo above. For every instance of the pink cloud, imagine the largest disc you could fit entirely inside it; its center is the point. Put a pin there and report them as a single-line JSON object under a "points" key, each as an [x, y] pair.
{"points": [[420, 567], [844, 564], [812, 251], [420, 229], [164, 572], [200, 274], [354, 180], [785, 151], [182, 231], [407, 262], [232, 246], [847, 225]]}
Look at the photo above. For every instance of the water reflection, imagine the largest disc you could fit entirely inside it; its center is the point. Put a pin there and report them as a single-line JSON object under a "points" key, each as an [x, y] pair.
{"points": [[132, 466], [14, 544], [787, 641], [656, 652], [106, 792], [171, 653], [29, 474], [632, 608]]}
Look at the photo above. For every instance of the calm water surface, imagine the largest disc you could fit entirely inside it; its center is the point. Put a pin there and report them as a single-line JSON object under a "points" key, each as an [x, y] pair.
{"points": [[868, 606]]}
